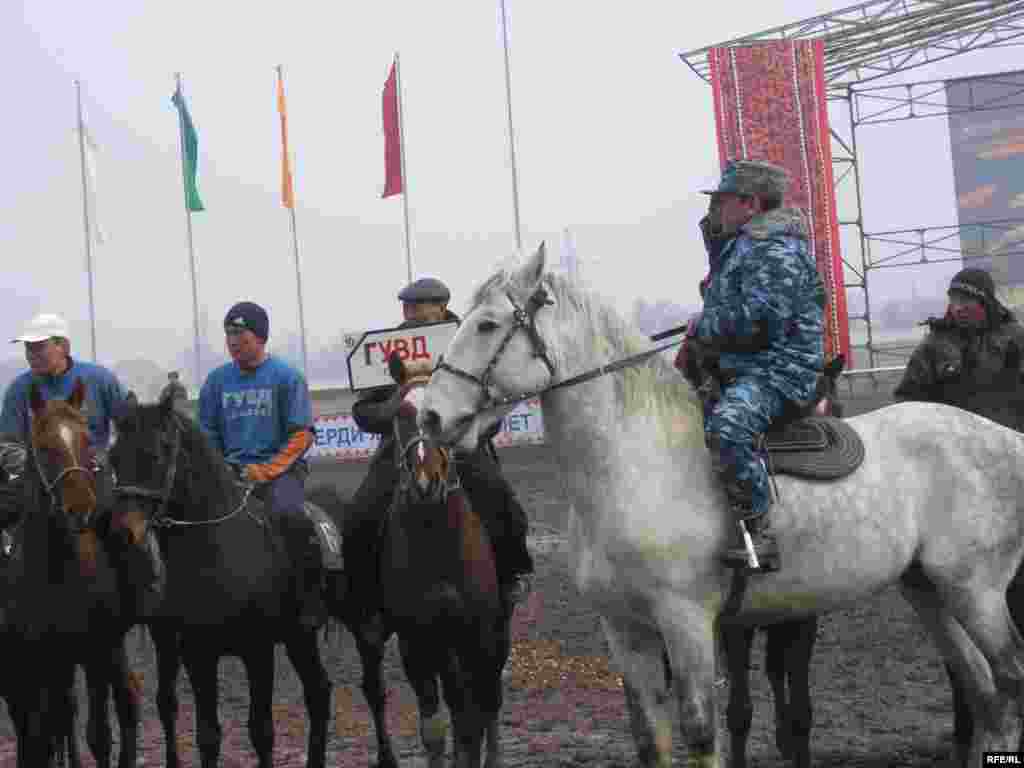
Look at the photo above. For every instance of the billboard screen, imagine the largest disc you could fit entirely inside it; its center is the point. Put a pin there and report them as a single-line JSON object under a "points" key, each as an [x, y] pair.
{"points": [[986, 130]]}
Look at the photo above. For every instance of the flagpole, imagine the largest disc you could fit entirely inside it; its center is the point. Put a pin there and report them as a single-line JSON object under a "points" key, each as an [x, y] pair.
{"points": [[405, 180], [191, 249], [295, 251], [511, 133], [85, 218]]}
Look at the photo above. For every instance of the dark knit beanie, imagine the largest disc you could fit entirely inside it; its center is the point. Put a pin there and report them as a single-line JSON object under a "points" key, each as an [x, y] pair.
{"points": [[250, 317], [974, 282]]}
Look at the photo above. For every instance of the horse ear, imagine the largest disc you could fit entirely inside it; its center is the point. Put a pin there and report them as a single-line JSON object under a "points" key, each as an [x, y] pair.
{"points": [[35, 398], [529, 275], [396, 368], [77, 395]]}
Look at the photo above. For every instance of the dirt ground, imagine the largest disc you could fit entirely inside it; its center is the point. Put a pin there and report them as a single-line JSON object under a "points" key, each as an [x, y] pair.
{"points": [[880, 692]]}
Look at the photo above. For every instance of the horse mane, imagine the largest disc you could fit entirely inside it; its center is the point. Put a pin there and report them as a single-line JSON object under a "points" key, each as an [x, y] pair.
{"points": [[654, 387], [212, 478]]}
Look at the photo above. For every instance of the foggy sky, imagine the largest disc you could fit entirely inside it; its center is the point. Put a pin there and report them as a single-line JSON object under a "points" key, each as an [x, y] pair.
{"points": [[614, 136]]}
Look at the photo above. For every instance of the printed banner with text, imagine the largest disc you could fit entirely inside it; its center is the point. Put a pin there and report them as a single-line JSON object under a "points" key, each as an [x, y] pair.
{"points": [[338, 437], [770, 105]]}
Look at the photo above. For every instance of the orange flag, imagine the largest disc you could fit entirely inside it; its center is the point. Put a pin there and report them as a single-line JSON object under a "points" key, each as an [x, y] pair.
{"points": [[287, 190]]}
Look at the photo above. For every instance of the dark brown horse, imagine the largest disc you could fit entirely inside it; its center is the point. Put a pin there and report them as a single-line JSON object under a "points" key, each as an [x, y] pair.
{"points": [[66, 608], [788, 649], [439, 593], [228, 580]]}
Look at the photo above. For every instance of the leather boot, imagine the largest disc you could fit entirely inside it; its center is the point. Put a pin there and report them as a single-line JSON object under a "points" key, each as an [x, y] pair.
{"points": [[762, 539]]}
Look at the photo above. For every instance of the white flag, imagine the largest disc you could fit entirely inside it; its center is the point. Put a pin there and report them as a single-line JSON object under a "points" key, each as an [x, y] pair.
{"points": [[91, 151], [569, 261]]}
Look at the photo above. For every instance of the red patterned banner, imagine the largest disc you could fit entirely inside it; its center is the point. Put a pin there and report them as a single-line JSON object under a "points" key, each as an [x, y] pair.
{"points": [[770, 105]]}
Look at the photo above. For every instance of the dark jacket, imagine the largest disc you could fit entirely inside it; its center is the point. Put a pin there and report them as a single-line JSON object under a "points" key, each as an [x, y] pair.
{"points": [[977, 370]]}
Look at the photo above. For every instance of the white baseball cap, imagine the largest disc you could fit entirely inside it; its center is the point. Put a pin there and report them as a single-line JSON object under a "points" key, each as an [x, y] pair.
{"points": [[43, 327]]}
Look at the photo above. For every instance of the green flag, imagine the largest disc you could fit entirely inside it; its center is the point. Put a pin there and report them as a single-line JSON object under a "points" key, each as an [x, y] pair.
{"points": [[189, 152]]}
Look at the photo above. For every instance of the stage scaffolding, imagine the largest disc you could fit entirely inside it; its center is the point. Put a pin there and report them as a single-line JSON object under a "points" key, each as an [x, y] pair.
{"points": [[866, 47]]}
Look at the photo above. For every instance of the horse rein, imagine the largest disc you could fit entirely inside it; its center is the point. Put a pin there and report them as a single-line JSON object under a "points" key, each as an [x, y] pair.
{"points": [[162, 497], [525, 320], [403, 449]]}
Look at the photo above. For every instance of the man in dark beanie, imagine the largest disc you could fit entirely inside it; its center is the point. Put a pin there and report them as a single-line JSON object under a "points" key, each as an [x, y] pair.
{"points": [[257, 411], [971, 357]]}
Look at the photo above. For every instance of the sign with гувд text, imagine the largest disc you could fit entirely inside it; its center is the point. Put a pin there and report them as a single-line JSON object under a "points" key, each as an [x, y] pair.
{"points": [[368, 360]]}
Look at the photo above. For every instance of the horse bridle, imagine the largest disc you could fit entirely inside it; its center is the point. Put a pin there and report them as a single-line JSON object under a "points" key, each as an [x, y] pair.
{"points": [[52, 487], [160, 518], [524, 320], [162, 497], [402, 451]]}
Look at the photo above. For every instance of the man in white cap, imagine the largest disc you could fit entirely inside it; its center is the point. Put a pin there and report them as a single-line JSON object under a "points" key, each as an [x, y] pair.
{"points": [[51, 367], [48, 352]]}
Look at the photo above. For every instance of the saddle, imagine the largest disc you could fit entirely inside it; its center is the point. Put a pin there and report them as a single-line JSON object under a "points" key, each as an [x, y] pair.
{"points": [[328, 536], [813, 447]]}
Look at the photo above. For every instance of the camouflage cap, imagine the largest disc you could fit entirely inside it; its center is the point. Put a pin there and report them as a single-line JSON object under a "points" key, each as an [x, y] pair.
{"points": [[426, 289], [752, 177]]}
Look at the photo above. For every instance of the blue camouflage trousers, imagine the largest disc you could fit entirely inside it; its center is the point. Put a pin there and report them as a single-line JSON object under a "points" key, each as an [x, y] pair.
{"points": [[731, 429]]}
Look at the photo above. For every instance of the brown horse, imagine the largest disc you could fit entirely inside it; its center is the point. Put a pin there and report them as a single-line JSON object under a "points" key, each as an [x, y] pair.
{"points": [[66, 603], [788, 649], [439, 593]]}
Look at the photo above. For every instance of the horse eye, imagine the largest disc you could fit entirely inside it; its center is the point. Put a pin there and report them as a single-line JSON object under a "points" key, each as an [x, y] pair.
{"points": [[487, 326]]}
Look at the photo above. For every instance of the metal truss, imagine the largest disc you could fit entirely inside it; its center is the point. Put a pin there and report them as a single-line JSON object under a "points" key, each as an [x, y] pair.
{"points": [[880, 39]]}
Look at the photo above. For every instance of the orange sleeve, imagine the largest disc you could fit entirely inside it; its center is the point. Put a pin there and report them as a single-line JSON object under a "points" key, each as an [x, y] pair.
{"points": [[297, 445]]}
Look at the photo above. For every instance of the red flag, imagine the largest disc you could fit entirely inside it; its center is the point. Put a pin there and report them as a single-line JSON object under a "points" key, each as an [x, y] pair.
{"points": [[392, 140], [287, 188]]}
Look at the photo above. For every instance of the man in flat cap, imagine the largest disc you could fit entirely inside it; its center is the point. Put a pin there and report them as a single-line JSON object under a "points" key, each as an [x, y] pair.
{"points": [[425, 301], [258, 412], [763, 324]]}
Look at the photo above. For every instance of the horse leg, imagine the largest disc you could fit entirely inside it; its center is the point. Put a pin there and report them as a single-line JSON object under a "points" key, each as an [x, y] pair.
{"points": [[201, 665], [777, 639], [969, 665], [168, 659], [798, 668], [127, 689], [304, 652], [259, 668], [97, 730], [689, 635], [371, 655], [737, 642], [963, 723], [637, 650], [493, 759], [421, 671]]}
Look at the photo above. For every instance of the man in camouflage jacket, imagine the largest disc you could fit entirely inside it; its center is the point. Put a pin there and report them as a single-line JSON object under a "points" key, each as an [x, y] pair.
{"points": [[763, 319]]}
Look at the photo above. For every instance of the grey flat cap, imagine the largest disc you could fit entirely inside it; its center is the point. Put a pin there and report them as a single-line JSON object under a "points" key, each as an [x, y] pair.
{"points": [[425, 289]]}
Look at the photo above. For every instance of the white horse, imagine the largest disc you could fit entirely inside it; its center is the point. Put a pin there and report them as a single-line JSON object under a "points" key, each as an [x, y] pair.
{"points": [[935, 507]]}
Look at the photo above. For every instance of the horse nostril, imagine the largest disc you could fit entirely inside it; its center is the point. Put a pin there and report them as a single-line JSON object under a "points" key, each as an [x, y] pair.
{"points": [[432, 422]]}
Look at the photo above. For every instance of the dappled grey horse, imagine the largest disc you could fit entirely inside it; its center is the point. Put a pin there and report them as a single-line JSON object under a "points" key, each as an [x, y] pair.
{"points": [[935, 508]]}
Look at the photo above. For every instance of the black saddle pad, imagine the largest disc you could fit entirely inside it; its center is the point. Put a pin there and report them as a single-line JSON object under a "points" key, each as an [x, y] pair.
{"points": [[327, 533], [815, 447]]}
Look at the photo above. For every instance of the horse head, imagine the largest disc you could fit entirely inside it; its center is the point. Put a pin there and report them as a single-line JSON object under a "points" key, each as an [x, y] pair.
{"points": [[148, 460], [64, 463], [425, 464], [498, 355]]}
